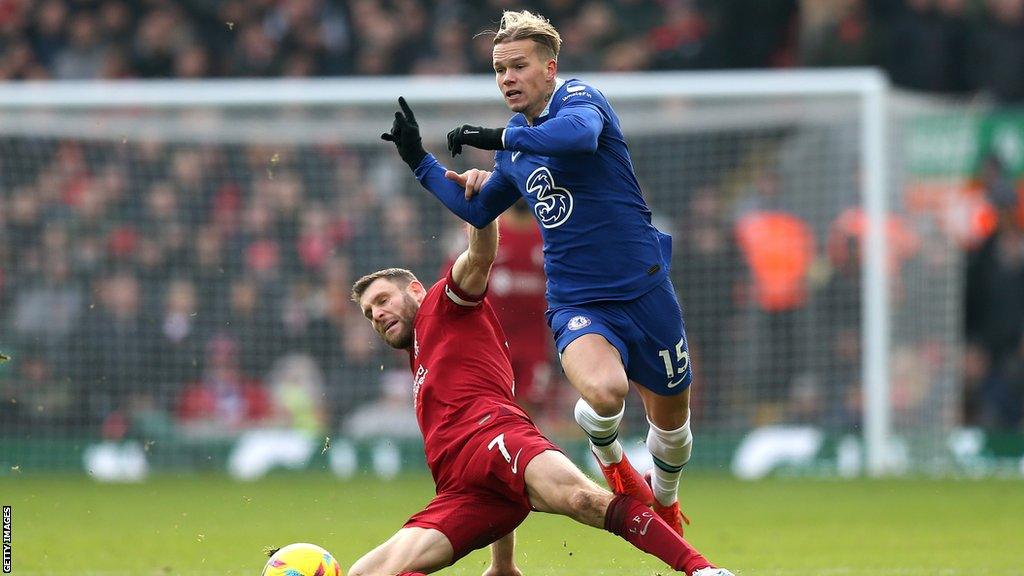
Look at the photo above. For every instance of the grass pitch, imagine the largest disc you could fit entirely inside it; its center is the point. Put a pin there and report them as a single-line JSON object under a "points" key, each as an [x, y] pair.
{"points": [[210, 525]]}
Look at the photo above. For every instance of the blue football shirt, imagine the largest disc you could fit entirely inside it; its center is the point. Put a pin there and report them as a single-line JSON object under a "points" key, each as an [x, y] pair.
{"points": [[574, 170]]}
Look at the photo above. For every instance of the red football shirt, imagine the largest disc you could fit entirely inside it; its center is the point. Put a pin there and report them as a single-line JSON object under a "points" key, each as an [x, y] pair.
{"points": [[516, 290], [462, 375]]}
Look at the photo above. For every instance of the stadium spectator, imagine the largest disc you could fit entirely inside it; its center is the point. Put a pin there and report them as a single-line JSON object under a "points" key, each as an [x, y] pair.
{"points": [[756, 34], [968, 49], [83, 57], [840, 300], [1000, 59], [686, 38], [929, 47], [161, 34], [258, 244], [994, 314], [193, 193], [317, 238], [837, 33], [47, 309], [47, 33], [850, 227], [207, 268], [391, 415], [296, 387], [179, 340], [778, 249], [303, 321], [224, 401], [111, 347], [34, 399], [355, 378], [250, 319], [705, 273]]}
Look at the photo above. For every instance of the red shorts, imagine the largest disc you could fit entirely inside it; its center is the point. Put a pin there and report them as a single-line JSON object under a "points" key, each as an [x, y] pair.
{"points": [[488, 499]]}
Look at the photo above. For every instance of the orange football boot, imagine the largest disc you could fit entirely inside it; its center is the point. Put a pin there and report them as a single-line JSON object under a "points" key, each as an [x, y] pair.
{"points": [[672, 515], [624, 479]]}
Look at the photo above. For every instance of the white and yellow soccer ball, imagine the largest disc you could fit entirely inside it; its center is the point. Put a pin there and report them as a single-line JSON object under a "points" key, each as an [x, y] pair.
{"points": [[302, 559]]}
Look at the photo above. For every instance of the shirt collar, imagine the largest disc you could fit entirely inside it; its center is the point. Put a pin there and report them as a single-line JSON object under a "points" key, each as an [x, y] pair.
{"points": [[547, 107]]}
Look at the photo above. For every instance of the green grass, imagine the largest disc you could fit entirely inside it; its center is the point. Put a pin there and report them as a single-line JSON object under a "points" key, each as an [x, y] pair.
{"points": [[207, 525]]}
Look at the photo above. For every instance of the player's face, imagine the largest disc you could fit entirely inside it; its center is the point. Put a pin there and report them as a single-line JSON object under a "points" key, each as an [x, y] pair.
{"points": [[391, 310], [524, 76]]}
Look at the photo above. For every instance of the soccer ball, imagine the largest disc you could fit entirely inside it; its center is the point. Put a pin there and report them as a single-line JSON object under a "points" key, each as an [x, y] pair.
{"points": [[302, 560]]}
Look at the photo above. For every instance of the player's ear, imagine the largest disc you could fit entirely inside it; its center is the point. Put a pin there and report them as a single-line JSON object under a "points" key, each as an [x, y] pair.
{"points": [[416, 289], [552, 69]]}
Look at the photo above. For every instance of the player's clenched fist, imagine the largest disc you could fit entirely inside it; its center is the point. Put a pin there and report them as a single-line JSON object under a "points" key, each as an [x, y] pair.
{"points": [[405, 133], [475, 136]]}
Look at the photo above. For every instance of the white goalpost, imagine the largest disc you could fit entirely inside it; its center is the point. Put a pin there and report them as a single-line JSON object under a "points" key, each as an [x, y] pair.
{"points": [[710, 149]]}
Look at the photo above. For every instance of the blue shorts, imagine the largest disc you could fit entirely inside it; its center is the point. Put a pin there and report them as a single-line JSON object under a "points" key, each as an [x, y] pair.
{"points": [[648, 332]]}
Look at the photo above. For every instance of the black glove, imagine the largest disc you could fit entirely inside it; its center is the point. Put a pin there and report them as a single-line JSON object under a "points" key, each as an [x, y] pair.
{"points": [[475, 136], [405, 133]]}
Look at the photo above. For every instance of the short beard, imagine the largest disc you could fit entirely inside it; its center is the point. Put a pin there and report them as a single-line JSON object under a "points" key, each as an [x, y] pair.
{"points": [[404, 340]]}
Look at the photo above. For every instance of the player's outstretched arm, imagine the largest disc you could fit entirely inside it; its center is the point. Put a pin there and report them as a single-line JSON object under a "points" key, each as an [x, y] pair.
{"points": [[503, 557], [473, 267], [495, 196], [574, 130]]}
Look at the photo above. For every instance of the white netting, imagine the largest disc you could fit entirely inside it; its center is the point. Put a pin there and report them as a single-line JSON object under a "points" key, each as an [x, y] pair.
{"points": [[182, 272]]}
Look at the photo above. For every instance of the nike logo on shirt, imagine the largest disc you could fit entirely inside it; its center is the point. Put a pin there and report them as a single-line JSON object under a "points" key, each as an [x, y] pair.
{"points": [[515, 462], [515, 155]]}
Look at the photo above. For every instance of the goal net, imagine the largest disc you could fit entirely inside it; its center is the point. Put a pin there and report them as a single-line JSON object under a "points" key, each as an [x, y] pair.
{"points": [[176, 257]]}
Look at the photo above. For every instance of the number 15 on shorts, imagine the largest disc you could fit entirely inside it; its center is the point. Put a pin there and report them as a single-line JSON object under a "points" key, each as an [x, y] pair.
{"points": [[499, 441], [677, 367]]}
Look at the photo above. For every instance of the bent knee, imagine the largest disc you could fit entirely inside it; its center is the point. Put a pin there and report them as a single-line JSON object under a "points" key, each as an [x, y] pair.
{"points": [[606, 402], [606, 397]]}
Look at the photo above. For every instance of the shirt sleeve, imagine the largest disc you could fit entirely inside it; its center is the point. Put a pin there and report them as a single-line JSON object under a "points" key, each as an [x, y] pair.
{"points": [[496, 195], [455, 294], [574, 130]]}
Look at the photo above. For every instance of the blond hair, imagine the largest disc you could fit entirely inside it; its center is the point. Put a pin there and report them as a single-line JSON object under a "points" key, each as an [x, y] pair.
{"points": [[527, 25], [399, 276]]}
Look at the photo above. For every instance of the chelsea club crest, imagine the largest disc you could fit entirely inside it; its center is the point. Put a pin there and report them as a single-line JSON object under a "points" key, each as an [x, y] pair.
{"points": [[577, 322]]}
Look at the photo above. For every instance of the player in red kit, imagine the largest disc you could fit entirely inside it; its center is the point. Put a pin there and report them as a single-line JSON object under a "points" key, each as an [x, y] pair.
{"points": [[516, 291], [490, 464]]}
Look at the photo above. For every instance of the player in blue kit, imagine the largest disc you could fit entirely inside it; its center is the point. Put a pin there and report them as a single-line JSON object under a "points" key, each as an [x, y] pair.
{"points": [[612, 308]]}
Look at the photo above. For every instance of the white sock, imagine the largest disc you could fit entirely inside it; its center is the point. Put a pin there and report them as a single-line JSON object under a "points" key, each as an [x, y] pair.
{"points": [[671, 451], [602, 430]]}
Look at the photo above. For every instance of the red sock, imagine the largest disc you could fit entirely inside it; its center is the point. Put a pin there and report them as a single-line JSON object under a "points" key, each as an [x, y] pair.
{"points": [[629, 518]]}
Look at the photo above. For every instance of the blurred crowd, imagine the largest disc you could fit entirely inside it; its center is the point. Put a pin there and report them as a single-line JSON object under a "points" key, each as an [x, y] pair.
{"points": [[197, 291], [158, 289], [947, 46], [152, 285]]}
